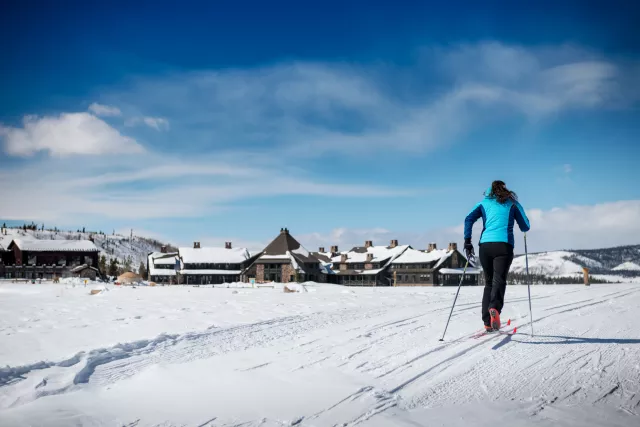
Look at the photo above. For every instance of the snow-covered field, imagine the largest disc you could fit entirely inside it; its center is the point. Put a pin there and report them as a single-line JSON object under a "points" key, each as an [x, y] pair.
{"points": [[187, 356]]}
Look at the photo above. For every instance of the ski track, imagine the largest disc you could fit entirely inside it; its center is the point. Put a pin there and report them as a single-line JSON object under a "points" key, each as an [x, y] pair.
{"points": [[557, 366]]}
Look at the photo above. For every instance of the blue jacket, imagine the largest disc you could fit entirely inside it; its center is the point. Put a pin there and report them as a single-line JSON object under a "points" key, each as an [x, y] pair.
{"points": [[497, 218]]}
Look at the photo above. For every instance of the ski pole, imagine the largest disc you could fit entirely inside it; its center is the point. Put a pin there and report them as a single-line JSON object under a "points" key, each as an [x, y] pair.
{"points": [[454, 300], [526, 259]]}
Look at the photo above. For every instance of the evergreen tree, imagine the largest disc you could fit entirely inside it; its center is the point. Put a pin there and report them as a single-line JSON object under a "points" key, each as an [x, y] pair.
{"points": [[142, 270], [102, 264], [83, 229], [127, 264], [113, 267]]}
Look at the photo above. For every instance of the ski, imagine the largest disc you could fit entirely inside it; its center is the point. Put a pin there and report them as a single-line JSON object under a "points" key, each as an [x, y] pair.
{"points": [[504, 330]]}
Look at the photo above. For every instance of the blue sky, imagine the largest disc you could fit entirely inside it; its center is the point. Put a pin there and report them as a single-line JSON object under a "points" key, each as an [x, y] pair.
{"points": [[342, 121]]}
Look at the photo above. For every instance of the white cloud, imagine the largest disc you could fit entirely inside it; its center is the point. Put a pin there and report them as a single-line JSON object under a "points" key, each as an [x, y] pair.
{"points": [[66, 134], [157, 186], [567, 168], [314, 108], [571, 227], [104, 110], [157, 123]]}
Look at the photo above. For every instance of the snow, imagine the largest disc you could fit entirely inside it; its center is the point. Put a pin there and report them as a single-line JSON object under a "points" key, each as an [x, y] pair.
{"points": [[55, 245], [236, 272], [460, 271], [380, 253], [294, 263], [413, 256], [555, 263], [627, 266], [171, 260], [279, 257], [161, 272], [213, 255], [205, 356]]}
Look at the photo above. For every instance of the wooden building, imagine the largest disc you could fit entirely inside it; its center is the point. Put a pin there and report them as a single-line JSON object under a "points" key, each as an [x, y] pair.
{"points": [[432, 267], [366, 265], [284, 260], [48, 259], [162, 266], [207, 265]]}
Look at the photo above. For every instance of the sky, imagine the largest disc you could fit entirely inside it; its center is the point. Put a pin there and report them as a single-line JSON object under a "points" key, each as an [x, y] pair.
{"points": [[342, 121]]}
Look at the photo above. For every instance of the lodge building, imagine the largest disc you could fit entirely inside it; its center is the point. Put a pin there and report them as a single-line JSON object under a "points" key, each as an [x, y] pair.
{"points": [[48, 259]]}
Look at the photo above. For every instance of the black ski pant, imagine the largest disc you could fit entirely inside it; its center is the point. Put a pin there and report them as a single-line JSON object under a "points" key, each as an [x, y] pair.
{"points": [[496, 258]]}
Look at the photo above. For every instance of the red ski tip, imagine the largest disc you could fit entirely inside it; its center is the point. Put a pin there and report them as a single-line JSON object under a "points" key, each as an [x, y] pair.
{"points": [[514, 330], [508, 322]]}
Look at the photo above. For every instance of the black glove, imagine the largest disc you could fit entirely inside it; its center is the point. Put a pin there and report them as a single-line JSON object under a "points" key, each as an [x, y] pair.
{"points": [[468, 249]]}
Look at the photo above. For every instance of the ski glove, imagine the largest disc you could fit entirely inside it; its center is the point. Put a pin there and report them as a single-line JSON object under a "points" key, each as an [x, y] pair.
{"points": [[468, 249]]}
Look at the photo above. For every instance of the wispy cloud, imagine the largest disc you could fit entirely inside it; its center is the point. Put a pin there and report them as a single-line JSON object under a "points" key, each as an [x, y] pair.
{"points": [[316, 108], [157, 123], [567, 168], [158, 187], [104, 110], [65, 135]]}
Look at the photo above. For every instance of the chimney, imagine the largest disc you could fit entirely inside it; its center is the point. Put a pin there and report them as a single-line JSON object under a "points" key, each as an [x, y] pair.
{"points": [[368, 243], [281, 230], [369, 257], [163, 249], [321, 249], [453, 246], [394, 243], [343, 258], [334, 249], [227, 245], [432, 247], [196, 245], [284, 230]]}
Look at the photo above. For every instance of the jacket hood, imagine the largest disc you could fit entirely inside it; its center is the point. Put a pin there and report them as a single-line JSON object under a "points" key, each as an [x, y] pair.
{"points": [[487, 193]]}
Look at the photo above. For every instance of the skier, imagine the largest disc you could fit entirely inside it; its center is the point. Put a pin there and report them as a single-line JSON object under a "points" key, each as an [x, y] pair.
{"points": [[498, 210]]}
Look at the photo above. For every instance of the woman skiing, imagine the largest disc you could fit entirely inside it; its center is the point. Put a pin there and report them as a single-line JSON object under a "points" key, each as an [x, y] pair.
{"points": [[499, 210]]}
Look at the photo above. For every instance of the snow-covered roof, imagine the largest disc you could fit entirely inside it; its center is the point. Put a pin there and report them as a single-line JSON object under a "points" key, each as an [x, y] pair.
{"points": [[460, 271], [380, 253], [275, 257], [170, 260], [213, 255], [82, 267], [161, 272], [211, 272], [55, 245], [413, 256]]}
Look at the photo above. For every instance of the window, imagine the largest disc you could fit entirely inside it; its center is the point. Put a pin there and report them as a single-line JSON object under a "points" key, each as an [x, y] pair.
{"points": [[292, 278]]}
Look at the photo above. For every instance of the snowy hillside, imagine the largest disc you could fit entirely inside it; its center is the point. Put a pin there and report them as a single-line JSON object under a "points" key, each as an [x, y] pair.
{"points": [[556, 263], [627, 266], [612, 257], [134, 249], [330, 356], [601, 262]]}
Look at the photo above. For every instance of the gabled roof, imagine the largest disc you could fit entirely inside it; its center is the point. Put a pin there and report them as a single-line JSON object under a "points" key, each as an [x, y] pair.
{"points": [[213, 255], [55, 245], [285, 244]]}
